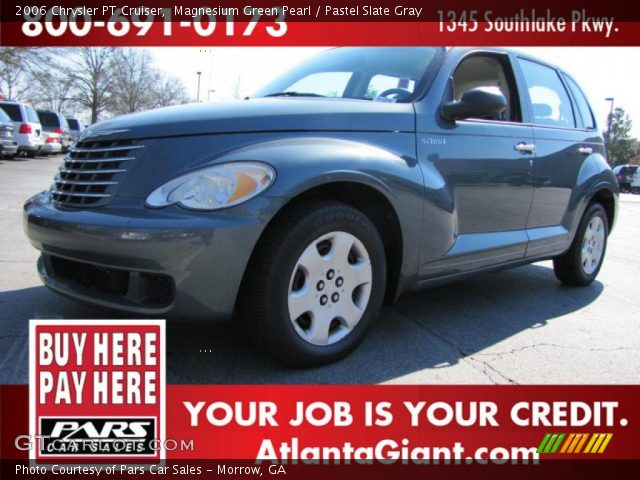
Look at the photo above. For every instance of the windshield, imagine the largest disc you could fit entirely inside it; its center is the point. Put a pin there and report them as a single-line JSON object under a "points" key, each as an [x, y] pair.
{"points": [[391, 74], [73, 123]]}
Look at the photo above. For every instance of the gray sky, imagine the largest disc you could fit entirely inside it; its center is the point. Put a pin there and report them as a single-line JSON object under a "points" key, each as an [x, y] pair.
{"points": [[601, 71]]}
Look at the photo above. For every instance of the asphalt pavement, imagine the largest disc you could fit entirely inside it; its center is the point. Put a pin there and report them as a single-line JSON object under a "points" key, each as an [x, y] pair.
{"points": [[518, 326]]}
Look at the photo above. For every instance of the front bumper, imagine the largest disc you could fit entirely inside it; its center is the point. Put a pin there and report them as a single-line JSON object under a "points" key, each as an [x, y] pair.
{"points": [[167, 262]]}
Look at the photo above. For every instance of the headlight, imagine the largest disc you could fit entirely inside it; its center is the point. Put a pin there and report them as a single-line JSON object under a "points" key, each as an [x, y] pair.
{"points": [[214, 187]]}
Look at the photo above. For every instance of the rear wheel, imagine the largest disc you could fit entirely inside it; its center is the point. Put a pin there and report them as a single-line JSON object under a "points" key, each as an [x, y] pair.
{"points": [[315, 284], [581, 263]]}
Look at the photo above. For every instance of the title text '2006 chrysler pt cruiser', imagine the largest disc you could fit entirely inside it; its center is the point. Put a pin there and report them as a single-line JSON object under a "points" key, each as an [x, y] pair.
{"points": [[358, 175]]}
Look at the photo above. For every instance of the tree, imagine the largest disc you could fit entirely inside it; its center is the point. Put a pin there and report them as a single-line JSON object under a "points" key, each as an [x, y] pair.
{"points": [[170, 91], [133, 81], [138, 85], [17, 66], [90, 71], [620, 145], [53, 90]]}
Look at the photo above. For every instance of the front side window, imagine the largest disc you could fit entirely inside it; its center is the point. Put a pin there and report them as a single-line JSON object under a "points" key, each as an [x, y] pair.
{"points": [[550, 103], [492, 73], [365, 73]]}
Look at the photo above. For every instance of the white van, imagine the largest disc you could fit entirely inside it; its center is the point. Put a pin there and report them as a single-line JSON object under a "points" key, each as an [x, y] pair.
{"points": [[27, 130]]}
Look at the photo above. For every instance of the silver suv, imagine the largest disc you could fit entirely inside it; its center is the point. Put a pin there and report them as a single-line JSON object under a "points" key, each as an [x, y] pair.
{"points": [[27, 130]]}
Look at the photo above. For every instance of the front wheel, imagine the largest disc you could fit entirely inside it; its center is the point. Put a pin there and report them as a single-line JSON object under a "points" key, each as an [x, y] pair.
{"points": [[581, 263], [315, 283]]}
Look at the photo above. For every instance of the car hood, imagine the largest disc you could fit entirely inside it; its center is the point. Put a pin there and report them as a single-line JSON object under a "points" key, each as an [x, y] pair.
{"points": [[259, 115]]}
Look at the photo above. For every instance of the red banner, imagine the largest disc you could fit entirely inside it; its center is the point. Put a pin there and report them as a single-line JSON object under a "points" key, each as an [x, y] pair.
{"points": [[314, 34], [195, 23], [383, 424]]}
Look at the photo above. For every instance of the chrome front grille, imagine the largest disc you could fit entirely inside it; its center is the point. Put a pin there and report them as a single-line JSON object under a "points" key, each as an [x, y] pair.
{"points": [[92, 172]]}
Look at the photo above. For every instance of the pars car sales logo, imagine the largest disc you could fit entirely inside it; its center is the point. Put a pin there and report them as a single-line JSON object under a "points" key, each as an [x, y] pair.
{"points": [[97, 389]]}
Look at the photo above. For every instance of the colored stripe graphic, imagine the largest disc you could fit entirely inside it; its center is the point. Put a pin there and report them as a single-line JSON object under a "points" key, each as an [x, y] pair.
{"points": [[543, 443], [592, 440], [581, 443], [605, 443], [556, 445], [572, 443], [569, 441]]}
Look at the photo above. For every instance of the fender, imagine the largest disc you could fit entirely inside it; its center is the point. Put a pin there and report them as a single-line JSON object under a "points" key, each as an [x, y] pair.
{"points": [[303, 163], [594, 175]]}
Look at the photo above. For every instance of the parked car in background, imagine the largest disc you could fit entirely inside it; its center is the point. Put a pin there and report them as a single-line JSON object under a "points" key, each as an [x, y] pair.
{"points": [[52, 143], [56, 123], [356, 176], [635, 182], [27, 130], [8, 147], [624, 175], [76, 127]]}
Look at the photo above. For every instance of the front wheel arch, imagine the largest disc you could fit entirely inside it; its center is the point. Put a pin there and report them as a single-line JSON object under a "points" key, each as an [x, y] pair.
{"points": [[376, 206], [264, 305]]}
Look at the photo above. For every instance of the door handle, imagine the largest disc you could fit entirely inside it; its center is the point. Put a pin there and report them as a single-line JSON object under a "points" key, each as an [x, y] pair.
{"points": [[585, 150], [525, 148]]}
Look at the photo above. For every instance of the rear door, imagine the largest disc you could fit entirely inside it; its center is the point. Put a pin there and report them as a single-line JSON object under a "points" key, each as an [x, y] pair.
{"points": [[563, 140]]}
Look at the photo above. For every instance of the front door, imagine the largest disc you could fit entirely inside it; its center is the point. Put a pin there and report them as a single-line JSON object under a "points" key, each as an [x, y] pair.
{"points": [[487, 168]]}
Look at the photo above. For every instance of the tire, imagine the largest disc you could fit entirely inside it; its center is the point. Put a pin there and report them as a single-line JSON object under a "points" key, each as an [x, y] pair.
{"points": [[580, 265], [315, 284]]}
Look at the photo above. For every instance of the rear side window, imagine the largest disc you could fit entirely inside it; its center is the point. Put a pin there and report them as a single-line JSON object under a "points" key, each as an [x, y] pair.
{"points": [[582, 104], [32, 116], [73, 123], [550, 103], [13, 111]]}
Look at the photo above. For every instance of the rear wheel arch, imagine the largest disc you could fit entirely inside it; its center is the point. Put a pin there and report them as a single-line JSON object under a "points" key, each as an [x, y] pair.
{"points": [[605, 197]]}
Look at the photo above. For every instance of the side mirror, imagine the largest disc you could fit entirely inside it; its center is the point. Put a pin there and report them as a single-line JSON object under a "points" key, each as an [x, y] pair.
{"points": [[475, 103]]}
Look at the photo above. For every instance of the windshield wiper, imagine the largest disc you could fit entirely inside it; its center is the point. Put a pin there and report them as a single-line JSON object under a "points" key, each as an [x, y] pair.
{"points": [[294, 94]]}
